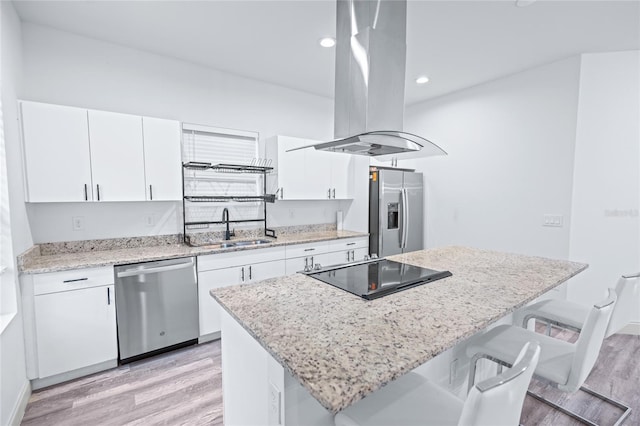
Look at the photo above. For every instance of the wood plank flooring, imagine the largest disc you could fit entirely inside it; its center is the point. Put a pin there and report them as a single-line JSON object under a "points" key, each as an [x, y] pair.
{"points": [[184, 387]]}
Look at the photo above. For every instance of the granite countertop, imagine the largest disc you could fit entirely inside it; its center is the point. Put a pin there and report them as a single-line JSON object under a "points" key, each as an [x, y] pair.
{"points": [[120, 254], [341, 347]]}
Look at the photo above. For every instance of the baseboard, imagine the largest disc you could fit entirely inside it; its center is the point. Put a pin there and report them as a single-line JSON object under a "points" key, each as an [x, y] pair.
{"points": [[209, 337], [74, 374], [631, 328], [18, 411]]}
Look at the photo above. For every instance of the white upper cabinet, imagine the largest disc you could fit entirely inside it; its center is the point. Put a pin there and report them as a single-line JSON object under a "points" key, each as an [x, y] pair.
{"points": [[117, 156], [74, 154], [341, 175], [308, 174], [162, 159], [56, 151], [289, 168]]}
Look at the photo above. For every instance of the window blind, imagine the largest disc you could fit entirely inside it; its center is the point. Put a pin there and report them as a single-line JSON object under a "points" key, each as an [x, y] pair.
{"points": [[220, 146]]}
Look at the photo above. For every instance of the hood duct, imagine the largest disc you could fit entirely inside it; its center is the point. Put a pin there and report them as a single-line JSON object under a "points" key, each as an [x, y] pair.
{"points": [[369, 82]]}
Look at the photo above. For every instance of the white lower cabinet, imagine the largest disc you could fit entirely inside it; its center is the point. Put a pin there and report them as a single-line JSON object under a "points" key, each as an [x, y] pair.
{"points": [[74, 320], [255, 267], [75, 329], [348, 250], [298, 264]]}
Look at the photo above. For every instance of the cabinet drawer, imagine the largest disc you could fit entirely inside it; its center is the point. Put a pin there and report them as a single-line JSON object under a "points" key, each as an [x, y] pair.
{"points": [[72, 280], [348, 243], [308, 249], [210, 262]]}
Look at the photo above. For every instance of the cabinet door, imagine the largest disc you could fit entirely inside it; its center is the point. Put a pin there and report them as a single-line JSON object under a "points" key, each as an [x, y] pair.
{"points": [[338, 257], [317, 175], [296, 264], [117, 159], [162, 159], [266, 270], [291, 169], [209, 308], [56, 148], [341, 172], [75, 329], [360, 253]]}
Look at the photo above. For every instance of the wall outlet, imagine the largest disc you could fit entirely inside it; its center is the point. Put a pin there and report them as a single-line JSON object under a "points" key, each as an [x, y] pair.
{"points": [[77, 223], [149, 220], [552, 220], [274, 405]]}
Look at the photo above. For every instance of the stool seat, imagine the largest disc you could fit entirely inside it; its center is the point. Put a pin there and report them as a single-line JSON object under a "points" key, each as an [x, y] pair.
{"points": [[503, 343], [573, 316], [401, 403], [556, 311], [413, 400]]}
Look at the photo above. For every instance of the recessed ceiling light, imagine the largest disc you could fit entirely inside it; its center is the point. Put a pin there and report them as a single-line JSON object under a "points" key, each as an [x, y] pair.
{"points": [[327, 42], [422, 79]]}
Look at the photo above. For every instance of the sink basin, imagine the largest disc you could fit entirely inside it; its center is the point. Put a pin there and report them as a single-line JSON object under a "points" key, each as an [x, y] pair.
{"points": [[250, 243], [238, 243]]}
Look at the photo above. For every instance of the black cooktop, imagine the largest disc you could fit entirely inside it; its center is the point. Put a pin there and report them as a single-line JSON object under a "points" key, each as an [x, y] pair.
{"points": [[378, 278]]}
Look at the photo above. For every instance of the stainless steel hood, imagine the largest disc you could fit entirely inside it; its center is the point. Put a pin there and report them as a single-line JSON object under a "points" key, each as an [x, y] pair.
{"points": [[369, 83]]}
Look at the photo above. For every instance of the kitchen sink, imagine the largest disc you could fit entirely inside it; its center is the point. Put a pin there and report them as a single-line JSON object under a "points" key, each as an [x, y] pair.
{"points": [[250, 243], [238, 243]]}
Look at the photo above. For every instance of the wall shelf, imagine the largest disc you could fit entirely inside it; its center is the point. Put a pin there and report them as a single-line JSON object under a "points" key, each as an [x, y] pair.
{"points": [[189, 199]]}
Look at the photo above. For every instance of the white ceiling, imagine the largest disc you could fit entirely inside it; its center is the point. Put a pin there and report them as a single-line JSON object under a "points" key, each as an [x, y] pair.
{"points": [[456, 43]]}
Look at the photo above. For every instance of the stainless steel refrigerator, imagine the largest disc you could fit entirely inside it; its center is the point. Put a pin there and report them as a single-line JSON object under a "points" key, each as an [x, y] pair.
{"points": [[396, 211]]}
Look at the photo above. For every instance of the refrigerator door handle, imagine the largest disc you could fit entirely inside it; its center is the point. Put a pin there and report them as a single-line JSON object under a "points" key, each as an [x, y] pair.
{"points": [[405, 217]]}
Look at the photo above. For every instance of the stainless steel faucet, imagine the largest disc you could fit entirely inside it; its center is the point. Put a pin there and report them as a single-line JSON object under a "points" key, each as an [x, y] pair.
{"points": [[225, 218]]}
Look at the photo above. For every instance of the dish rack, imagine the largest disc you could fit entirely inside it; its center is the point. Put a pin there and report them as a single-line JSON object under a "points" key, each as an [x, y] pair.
{"points": [[190, 199]]}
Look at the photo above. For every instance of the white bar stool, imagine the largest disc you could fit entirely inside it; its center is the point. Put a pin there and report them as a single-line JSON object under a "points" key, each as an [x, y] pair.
{"points": [[572, 316], [563, 363], [413, 400]]}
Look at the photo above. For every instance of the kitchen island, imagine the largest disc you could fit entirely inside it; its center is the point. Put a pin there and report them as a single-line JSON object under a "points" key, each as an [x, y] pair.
{"points": [[292, 337]]}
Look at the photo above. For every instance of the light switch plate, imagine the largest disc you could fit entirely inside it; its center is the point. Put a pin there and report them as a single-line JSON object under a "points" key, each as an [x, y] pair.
{"points": [[554, 220]]}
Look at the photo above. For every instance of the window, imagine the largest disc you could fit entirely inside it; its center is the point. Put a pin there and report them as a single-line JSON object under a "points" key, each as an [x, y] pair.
{"points": [[220, 146]]}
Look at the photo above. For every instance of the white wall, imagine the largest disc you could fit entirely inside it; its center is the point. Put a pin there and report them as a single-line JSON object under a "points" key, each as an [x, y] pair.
{"points": [[14, 386], [68, 69], [511, 146], [605, 226]]}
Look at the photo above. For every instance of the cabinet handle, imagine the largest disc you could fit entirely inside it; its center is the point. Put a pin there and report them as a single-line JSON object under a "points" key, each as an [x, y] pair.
{"points": [[98, 190], [329, 193], [151, 192], [306, 263], [353, 255], [309, 249], [250, 273], [243, 274], [312, 261], [350, 244], [348, 256], [86, 196], [282, 193], [108, 296], [334, 193], [77, 279]]}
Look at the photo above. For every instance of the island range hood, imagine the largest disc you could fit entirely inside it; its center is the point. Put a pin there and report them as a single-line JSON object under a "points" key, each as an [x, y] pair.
{"points": [[369, 82]]}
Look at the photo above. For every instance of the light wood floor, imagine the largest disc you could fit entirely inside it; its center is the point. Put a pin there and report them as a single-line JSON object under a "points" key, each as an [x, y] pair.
{"points": [[184, 387]]}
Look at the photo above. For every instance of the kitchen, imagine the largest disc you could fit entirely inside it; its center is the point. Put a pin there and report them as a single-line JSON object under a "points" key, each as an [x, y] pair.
{"points": [[488, 192]]}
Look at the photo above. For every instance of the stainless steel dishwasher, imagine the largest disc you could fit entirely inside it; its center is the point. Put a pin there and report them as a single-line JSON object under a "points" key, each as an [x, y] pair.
{"points": [[156, 307]]}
